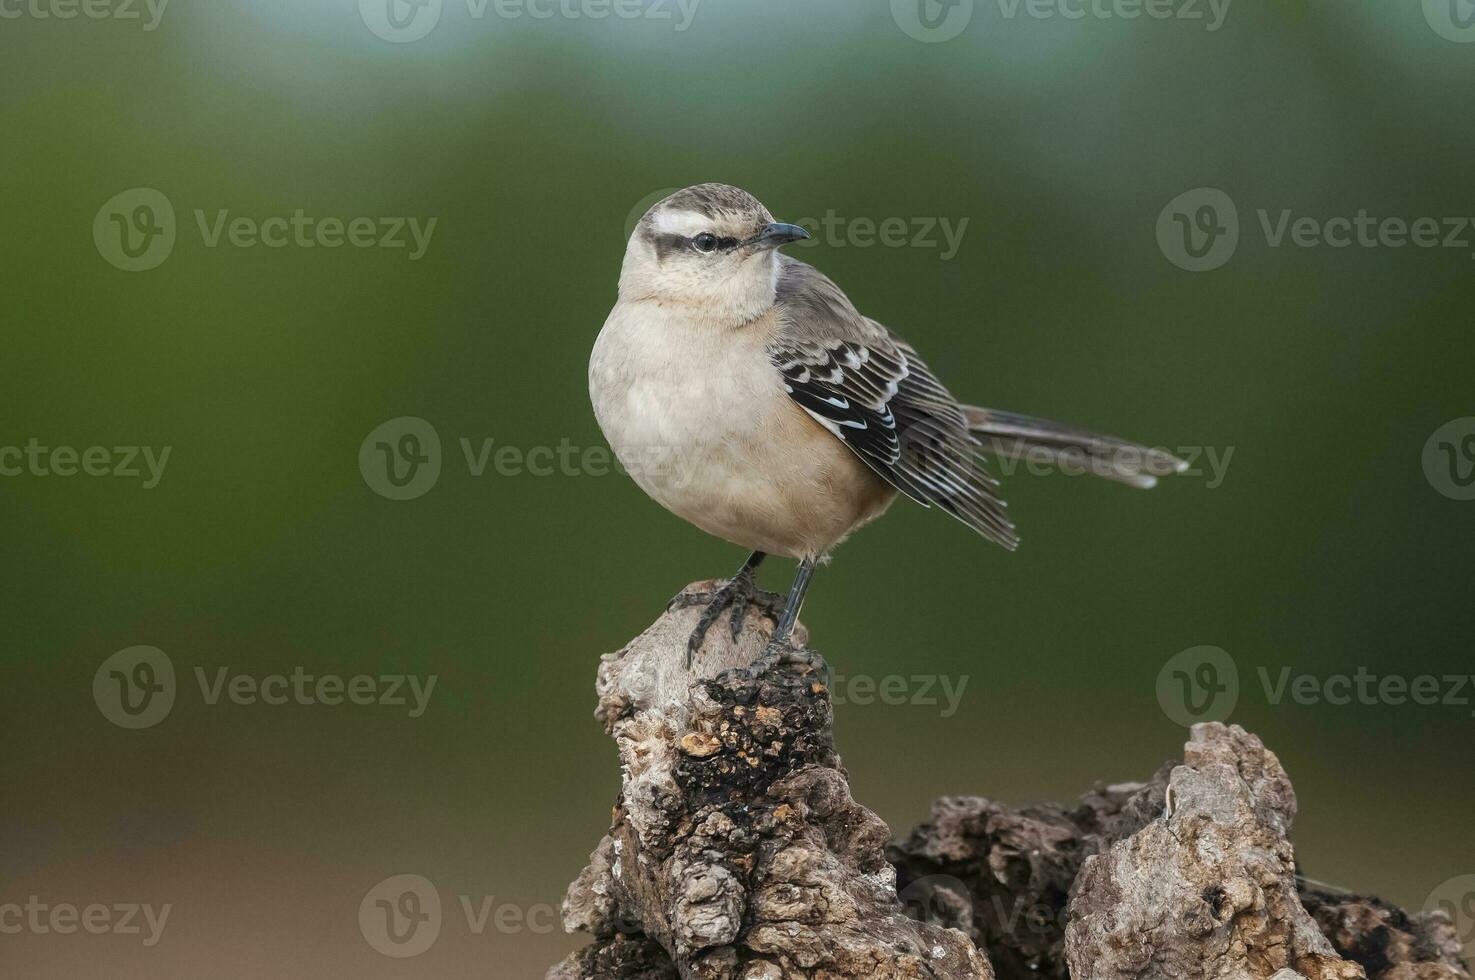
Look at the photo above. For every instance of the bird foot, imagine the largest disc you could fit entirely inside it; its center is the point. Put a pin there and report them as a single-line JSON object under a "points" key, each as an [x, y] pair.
{"points": [[781, 657], [740, 594], [783, 653]]}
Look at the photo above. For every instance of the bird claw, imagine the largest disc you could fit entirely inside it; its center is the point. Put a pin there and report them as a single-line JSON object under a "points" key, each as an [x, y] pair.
{"points": [[740, 594], [770, 604], [781, 656], [782, 653], [686, 599]]}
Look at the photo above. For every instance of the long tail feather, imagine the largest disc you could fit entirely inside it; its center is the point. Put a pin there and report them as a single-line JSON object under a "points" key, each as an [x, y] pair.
{"points": [[1010, 435]]}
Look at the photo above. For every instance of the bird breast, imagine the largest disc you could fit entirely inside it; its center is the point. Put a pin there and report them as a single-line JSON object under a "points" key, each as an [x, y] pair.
{"points": [[698, 416]]}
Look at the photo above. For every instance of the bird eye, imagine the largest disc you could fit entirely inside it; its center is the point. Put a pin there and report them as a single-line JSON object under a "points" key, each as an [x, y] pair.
{"points": [[705, 242]]}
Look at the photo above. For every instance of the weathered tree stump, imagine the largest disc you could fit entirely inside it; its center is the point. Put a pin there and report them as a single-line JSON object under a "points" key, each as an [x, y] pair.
{"points": [[736, 849], [737, 853]]}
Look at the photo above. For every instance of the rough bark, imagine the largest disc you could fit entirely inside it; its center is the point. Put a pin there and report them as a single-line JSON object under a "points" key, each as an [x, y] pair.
{"points": [[737, 853], [1388, 942], [1208, 890], [1004, 875], [617, 958]]}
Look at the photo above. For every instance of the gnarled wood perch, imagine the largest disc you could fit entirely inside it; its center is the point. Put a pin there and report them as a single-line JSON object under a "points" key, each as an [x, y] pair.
{"points": [[737, 853]]}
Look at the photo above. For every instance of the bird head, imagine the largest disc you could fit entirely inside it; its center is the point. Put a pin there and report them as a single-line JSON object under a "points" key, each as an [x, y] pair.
{"points": [[712, 247]]}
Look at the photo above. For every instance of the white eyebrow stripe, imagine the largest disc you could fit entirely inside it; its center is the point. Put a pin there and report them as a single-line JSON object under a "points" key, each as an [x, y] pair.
{"points": [[683, 223]]}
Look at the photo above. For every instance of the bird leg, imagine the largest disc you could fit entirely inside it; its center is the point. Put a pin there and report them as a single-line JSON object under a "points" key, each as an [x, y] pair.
{"points": [[739, 593], [780, 650], [795, 602]]}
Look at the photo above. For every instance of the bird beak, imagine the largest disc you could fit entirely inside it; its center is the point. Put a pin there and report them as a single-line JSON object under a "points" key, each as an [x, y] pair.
{"points": [[776, 235]]}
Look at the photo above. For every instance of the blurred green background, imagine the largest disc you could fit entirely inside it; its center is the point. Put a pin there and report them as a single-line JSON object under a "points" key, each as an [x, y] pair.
{"points": [[262, 548]]}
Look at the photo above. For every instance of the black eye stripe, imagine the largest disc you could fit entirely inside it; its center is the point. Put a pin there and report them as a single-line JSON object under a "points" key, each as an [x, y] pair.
{"points": [[723, 244], [665, 244]]}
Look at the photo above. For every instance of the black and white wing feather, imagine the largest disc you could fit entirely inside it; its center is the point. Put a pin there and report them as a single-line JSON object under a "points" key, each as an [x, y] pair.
{"points": [[872, 391]]}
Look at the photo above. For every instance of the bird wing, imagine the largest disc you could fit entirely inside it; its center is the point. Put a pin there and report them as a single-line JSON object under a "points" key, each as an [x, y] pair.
{"points": [[871, 390]]}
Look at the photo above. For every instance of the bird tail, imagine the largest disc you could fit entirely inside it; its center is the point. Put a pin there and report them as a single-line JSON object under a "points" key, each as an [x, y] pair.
{"points": [[1009, 435]]}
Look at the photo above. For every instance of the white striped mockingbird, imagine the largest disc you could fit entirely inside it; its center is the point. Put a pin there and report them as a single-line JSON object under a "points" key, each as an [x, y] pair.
{"points": [[744, 392]]}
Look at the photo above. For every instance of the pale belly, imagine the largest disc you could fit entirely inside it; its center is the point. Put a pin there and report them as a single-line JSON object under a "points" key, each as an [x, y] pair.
{"points": [[709, 433]]}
